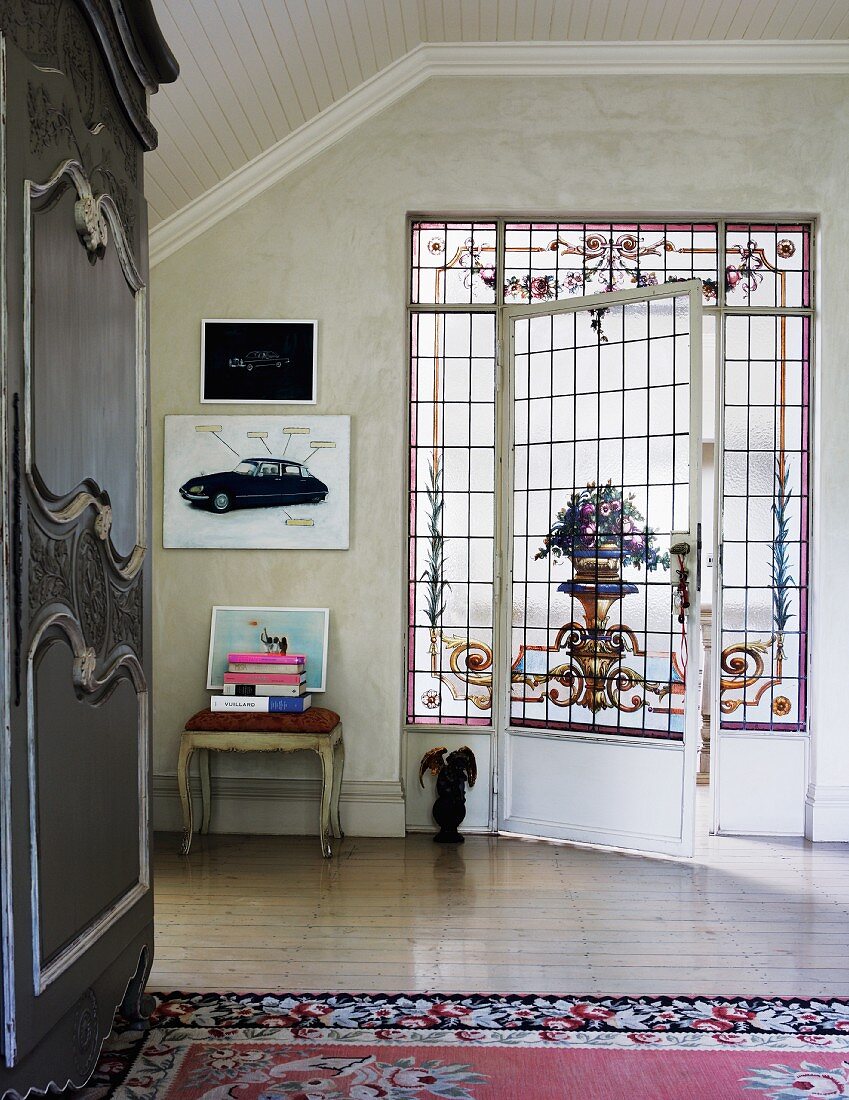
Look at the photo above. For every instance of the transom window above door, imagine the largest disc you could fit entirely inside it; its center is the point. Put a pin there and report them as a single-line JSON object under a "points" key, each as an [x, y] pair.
{"points": [[465, 536]]}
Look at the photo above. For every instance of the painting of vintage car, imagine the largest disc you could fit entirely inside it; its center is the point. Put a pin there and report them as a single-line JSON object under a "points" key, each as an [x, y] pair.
{"points": [[255, 483]]}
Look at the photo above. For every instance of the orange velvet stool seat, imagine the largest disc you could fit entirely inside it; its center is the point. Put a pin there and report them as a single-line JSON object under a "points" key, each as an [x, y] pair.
{"points": [[314, 720], [317, 729]]}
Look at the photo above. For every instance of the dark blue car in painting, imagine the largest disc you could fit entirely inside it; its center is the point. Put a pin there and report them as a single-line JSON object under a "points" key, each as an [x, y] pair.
{"points": [[253, 483]]}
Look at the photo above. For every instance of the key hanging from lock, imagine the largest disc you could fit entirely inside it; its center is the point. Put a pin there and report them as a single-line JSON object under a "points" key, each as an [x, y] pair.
{"points": [[680, 550]]}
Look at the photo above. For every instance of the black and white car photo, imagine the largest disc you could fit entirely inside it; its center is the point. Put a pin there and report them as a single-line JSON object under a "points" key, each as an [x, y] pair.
{"points": [[258, 362]]}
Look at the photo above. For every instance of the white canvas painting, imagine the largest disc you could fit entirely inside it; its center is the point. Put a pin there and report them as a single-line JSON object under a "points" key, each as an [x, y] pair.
{"points": [[257, 482]]}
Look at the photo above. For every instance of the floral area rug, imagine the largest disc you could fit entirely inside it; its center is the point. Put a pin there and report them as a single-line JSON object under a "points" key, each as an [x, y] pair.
{"points": [[343, 1046]]}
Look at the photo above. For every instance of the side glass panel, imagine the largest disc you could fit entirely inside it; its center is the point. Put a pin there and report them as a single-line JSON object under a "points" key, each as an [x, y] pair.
{"points": [[601, 480], [764, 523], [452, 507], [550, 261]]}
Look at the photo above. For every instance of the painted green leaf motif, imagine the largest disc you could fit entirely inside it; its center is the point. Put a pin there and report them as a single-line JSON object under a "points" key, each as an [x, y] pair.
{"points": [[782, 581], [434, 573]]}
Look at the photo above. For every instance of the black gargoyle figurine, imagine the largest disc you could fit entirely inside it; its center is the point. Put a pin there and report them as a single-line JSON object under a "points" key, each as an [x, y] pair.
{"points": [[452, 774]]}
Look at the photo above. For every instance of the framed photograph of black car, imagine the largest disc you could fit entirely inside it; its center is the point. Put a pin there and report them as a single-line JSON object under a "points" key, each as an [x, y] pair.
{"points": [[258, 362], [256, 482]]}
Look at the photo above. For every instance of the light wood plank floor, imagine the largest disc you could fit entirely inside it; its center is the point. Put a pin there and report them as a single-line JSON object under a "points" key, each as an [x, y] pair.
{"points": [[501, 915]]}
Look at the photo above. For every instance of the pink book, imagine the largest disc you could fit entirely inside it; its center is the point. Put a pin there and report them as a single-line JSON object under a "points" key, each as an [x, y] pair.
{"points": [[264, 678], [261, 678], [267, 658]]}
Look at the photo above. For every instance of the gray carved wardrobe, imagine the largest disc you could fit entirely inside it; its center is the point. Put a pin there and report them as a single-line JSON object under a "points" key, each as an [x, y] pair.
{"points": [[76, 908]]}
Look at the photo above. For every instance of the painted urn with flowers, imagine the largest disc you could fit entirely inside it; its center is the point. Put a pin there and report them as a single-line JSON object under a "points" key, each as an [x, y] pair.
{"points": [[601, 530]]}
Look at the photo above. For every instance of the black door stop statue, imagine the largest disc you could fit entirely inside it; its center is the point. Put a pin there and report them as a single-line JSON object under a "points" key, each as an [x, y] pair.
{"points": [[452, 774]]}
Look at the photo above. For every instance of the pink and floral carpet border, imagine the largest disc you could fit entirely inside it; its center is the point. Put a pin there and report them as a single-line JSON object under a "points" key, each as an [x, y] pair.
{"points": [[551, 1018], [803, 1028]]}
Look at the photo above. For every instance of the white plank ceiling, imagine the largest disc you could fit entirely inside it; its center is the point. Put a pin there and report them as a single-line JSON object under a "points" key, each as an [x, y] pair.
{"points": [[252, 71]]}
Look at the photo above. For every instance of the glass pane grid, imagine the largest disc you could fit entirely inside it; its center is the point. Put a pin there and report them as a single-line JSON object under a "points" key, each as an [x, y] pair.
{"points": [[763, 657], [451, 526], [596, 645], [453, 263], [766, 420], [768, 265]]}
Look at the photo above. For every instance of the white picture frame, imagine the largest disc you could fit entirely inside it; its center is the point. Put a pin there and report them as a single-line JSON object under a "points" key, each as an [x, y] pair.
{"points": [[285, 372]]}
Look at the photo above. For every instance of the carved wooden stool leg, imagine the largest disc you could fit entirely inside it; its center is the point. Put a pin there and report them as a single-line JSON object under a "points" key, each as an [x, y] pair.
{"points": [[203, 757], [339, 767], [325, 831], [186, 750]]}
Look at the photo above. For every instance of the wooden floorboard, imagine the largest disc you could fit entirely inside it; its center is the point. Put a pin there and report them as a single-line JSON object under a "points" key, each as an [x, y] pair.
{"points": [[746, 915]]}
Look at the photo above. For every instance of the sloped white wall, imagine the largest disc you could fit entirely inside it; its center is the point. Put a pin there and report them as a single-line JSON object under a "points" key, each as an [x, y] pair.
{"points": [[329, 242]]}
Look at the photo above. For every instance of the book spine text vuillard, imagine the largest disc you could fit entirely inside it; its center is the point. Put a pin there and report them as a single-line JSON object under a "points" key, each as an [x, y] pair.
{"points": [[261, 705]]}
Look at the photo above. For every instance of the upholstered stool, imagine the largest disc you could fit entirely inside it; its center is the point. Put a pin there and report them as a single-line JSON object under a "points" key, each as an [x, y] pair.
{"points": [[316, 729]]}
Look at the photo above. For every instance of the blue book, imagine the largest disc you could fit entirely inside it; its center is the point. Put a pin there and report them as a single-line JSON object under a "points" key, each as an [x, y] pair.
{"points": [[273, 704]]}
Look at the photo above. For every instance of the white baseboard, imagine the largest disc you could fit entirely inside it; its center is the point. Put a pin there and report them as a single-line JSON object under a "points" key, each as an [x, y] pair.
{"points": [[283, 807], [827, 813]]}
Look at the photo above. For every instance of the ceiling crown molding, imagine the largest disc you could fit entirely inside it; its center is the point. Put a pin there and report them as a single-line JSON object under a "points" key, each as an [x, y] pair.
{"points": [[511, 59]]}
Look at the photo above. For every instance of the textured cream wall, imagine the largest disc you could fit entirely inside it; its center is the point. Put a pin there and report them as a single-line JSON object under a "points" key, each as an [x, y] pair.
{"points": [[329, 242]]}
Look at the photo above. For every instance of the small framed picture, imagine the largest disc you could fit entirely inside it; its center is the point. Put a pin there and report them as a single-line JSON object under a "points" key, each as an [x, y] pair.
{"points": [[258, 362], [289, 630]]}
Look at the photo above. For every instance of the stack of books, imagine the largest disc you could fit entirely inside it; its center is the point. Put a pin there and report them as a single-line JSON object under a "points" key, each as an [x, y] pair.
{"points": [[265, 682]]}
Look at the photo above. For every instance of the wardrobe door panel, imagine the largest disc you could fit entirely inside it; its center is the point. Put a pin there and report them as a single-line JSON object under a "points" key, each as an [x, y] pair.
{"points": [[85, 328], [95, 832]]}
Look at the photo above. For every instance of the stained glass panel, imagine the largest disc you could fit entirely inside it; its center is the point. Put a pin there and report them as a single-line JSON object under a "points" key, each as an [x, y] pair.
{"points": [[765, 523], [768, 265], [602, 436], [744, 265], [549, 261], [453, 263], [452, 504]]}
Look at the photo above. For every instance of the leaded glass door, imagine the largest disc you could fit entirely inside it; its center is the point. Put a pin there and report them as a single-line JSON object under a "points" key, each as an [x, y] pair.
{"points": [[599, 722]]}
